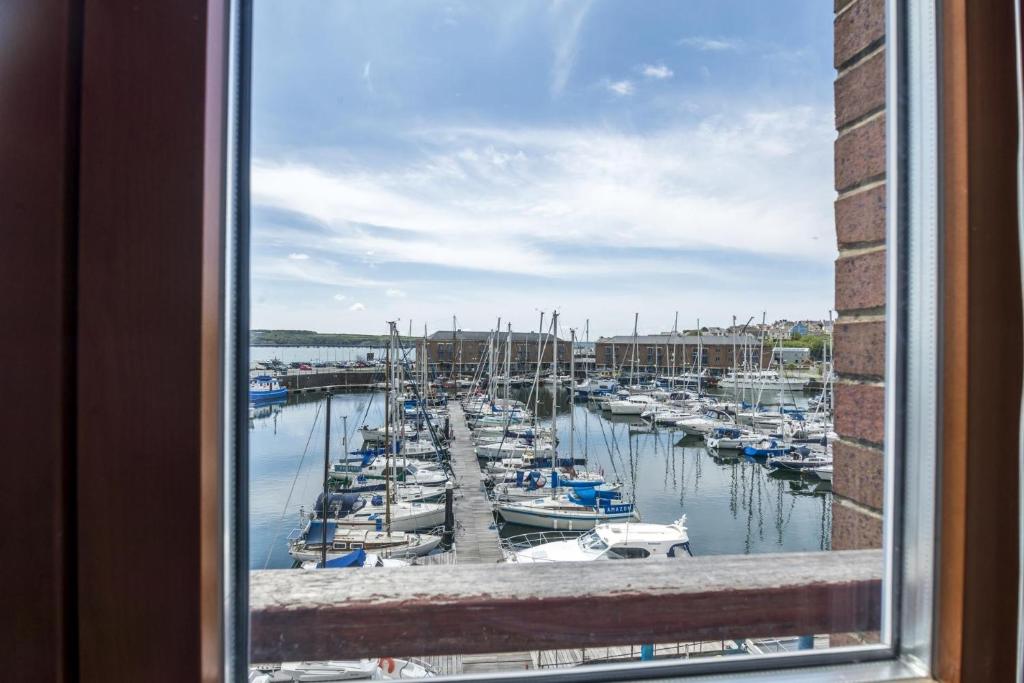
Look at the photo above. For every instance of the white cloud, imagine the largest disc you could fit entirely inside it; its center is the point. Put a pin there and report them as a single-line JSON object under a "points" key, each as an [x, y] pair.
{"points": [[620, 88], [340, 297], [357, 307], [298, 257], [656, 71], [395, 293], [558, 202], [367, 78], [710, 44], [567, 18]]}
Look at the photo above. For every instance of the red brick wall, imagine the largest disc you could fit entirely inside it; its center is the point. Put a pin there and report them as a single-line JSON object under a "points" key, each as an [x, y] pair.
{"points": [[860, 271]]}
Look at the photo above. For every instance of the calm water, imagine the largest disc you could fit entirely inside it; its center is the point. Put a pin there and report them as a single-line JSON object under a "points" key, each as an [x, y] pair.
{"points": [[732, 506]]}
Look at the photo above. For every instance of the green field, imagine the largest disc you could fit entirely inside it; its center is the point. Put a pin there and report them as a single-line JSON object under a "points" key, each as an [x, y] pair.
{"points": [[310, 338]]}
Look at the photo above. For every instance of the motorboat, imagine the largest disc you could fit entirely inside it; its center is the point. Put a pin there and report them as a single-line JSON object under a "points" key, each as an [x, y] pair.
{"points": [[614, 541], [634, 405], [385, 668], [266, 388], [729, 438]]}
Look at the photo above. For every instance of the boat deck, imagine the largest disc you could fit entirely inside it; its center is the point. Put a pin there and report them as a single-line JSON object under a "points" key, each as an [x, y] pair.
{"points": [[476, 535]]}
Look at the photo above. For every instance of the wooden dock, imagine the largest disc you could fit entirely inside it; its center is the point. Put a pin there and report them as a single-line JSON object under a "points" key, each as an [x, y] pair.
{"points": [[476, 535], [476, 538]]}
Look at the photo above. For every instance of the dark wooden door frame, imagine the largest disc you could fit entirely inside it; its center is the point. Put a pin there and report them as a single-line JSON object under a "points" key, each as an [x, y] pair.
{"points": [[112, 195]]}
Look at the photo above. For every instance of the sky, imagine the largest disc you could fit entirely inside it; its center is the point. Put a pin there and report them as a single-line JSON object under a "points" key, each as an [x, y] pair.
{"points": [[412, 161]]}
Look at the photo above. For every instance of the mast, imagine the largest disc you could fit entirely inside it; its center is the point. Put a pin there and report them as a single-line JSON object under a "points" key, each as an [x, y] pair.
{"points": [[388, 447], [700, 356], [508, 367], [636, 350], [572, 397], [735, 370], [327, 460], [454, 381], [536, 376], [554, 382]]}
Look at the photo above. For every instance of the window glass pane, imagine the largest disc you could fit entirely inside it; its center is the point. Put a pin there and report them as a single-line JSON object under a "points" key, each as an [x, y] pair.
{"points": [[546, 284]]}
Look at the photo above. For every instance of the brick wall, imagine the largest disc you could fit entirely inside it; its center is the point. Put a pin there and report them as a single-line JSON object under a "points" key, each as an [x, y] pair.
{"points": [[860, 271]]}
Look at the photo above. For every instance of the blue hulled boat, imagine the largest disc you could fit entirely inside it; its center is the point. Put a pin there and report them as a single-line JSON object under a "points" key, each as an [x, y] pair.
{"points": [[266, 388]]}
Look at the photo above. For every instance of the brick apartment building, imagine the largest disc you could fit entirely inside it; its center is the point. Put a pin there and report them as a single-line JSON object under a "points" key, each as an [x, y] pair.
{"points": [[664, 352], [469, 350]]}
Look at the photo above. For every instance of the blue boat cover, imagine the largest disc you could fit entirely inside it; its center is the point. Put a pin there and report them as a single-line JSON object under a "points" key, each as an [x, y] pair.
{"points": [[356, 558], [315, 532], [340, 504], [583, 496]]}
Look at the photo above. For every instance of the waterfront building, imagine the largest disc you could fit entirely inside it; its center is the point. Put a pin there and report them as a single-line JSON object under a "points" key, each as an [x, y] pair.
{"points": [[467, 350], [665, 352]]}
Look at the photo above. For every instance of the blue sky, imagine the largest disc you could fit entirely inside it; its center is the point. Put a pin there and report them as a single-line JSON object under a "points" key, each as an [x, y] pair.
{"points": [[415, 160]]}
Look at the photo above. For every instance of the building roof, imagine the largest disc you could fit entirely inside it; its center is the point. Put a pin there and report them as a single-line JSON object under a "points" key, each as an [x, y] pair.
{"points": [[468, 335], [706, 340]]}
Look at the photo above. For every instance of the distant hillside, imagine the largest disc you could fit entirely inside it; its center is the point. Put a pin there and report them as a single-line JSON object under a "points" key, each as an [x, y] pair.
{"points": [[311, 338]]}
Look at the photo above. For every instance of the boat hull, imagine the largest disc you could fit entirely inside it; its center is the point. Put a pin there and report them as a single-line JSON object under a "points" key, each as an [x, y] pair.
{"points": [[577, 521]]}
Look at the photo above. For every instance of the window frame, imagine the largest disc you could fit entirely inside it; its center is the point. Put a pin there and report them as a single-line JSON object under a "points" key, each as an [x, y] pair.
{"points": [[912, 393]]}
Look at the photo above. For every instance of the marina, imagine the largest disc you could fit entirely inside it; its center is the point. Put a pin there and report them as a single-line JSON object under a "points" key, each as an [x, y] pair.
{"points": [[491, 467]]}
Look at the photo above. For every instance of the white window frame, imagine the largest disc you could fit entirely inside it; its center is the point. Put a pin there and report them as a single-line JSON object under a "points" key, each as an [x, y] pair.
{"points": [[913, 392]]}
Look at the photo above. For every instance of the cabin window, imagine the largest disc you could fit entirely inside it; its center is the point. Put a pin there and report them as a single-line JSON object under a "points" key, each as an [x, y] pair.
{"points": [[431, 184], [629, 553]]}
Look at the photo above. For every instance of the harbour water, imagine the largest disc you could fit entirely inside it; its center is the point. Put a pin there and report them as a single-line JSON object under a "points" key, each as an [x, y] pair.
{"points": [[733, 506]]}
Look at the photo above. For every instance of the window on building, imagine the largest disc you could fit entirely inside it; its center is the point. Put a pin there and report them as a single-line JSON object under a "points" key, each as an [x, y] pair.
{"points": [[656, 180]]}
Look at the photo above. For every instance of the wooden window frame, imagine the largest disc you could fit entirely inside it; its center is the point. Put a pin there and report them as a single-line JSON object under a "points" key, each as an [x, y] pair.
{"points": [[116, 131]]}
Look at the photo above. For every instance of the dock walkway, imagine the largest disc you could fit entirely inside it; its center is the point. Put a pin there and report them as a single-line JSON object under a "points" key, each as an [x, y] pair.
{"points": [[476, 536]]}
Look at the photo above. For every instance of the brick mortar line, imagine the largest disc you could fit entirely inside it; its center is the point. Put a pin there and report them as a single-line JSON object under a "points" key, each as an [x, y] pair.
{"points": [[862, 379], [858, 506], [857, 313], [861, 319], [856, 122], [860, 188], [860, 55], [845, 191], [861, 122], [860, 251], [861, 443], [847, 67], [853, 381], [864, 244], [844, 10]]}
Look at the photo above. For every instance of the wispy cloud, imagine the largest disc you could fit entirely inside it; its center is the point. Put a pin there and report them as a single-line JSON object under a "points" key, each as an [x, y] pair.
{"points": [[620, 88], [710, 44], [298, 257], [395, 293], [340, 297], [568, 19], [656, 71], [367, 78], [522, 200], [357, 307]]}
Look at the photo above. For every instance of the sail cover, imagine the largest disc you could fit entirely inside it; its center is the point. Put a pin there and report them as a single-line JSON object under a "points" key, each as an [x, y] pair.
{"points": [[315, 533], [355, 558]]}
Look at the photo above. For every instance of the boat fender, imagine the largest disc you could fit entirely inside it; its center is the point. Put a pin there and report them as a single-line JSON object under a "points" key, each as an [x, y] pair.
{"points": [[386, 664]]}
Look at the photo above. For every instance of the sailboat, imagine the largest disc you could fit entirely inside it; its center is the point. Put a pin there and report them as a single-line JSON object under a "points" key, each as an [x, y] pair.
{"points": [[578, 510], [355, 511]]}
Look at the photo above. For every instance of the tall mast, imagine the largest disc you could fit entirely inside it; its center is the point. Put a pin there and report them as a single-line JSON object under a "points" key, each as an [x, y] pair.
{"points": [[388, 447], [636, 350], [508, 367], [572, 397], [327, 460], [554, 379], [700, 355], [735, 370], [536, 376], [454, 381]]}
